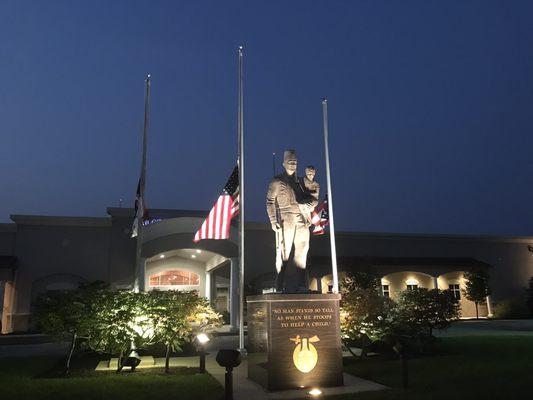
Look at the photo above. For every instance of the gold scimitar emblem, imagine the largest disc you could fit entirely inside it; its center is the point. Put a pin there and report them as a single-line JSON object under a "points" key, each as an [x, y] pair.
{"points": [[305, 355]]}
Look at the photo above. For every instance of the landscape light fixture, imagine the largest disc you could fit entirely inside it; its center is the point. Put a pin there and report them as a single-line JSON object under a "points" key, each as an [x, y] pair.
{"points": [[228, 359], [202, 340], [132, 360]]}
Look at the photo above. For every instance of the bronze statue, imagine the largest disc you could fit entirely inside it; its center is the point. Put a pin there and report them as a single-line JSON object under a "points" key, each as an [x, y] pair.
{"points": [[290, 201]]}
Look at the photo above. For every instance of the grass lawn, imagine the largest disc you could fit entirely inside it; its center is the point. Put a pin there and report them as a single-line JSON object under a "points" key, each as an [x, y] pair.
{"points": [[482, 367], [31, 378]]}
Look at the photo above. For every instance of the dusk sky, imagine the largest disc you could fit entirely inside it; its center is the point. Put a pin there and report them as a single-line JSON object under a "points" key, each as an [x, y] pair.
{"points": [[430, 107]]}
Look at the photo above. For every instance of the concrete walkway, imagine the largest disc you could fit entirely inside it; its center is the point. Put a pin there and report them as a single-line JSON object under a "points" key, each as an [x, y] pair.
{"points": [[245, 389]]}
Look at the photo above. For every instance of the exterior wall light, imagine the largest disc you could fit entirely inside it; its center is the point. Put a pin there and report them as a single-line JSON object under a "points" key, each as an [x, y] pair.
{"points": [[193, 255], [162, 256], [315, 392], [198, 251]]}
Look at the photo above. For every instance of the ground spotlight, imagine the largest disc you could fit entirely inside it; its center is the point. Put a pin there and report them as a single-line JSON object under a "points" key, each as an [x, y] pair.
{"points": [[132, 360], [202, 340]]}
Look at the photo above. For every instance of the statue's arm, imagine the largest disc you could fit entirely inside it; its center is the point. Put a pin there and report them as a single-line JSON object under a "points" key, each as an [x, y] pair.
{"points": [[313, 202], [316, 193], [312, 198], [271, 201]]}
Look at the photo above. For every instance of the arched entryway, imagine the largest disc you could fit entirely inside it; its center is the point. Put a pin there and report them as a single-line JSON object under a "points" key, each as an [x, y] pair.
{"points": [[172, 261], [394, 283]]}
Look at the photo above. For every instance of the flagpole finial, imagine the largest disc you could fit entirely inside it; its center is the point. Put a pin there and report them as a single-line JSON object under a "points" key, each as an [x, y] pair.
{"points": [[148, 77], [324, 100], [241, 48]]}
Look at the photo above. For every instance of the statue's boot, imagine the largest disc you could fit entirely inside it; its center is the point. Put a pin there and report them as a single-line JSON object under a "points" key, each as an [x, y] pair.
{"points": [[279, 283], [301, 284], [280, 280]]}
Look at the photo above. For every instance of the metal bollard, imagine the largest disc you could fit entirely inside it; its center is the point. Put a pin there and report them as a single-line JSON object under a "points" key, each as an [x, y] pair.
{"points": [[228, 359], [202, 361], [228, 384]]}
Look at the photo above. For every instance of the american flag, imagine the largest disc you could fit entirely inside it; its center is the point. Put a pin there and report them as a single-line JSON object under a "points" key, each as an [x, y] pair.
{"points": [[217, 224], [141, 211], [320, 217]]}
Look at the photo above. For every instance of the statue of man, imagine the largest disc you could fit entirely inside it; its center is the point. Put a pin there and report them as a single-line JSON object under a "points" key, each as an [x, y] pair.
{"points": [[289, 205]]}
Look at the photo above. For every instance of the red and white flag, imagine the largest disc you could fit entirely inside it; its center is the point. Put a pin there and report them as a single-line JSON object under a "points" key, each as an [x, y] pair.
{"points": [[320, 217], [218, 222]]}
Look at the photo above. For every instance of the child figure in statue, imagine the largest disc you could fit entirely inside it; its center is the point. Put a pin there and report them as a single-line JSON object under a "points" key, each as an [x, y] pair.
{"points": [[312, 186]]}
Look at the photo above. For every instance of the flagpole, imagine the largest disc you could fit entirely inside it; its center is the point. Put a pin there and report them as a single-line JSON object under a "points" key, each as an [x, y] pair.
{"points": [[240, 127], [330, 200], [139, 270]]}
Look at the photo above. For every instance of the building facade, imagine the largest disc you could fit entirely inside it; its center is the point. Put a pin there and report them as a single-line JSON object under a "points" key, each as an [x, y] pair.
{"points": [[39, 253]]}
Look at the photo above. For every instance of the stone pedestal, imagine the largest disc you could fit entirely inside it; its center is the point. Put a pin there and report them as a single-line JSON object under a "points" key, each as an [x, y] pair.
{"points": [[294, 340]]}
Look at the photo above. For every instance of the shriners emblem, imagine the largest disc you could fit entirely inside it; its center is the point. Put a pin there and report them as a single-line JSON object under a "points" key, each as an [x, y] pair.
{"points": [[305, 355]]}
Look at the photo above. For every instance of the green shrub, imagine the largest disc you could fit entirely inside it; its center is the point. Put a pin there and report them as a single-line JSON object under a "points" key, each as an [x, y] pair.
{"points": [[367, 317], [117, 321], [514, 308]]}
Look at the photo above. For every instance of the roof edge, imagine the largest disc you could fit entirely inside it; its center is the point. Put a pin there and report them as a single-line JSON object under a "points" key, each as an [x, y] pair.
{"points": [[396, 235], [45, 220], [8, 227], [165, 213]]}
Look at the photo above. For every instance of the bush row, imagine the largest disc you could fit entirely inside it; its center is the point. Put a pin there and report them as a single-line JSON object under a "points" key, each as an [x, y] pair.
{"points": [[117, 321]]}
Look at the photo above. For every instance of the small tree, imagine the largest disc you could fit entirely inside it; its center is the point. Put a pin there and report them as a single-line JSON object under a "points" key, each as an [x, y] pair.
{"points": [[66, 314], [203, 318], [177, 317], [169, 311], [477, 287], [365, 314], [120, 320], [422, 310]]}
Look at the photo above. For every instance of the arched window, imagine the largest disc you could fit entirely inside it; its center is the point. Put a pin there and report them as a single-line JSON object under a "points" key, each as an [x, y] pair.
{"points": [[411, 284], [174, 277]]}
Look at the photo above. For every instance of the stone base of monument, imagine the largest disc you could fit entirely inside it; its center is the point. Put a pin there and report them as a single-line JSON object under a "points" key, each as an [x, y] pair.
{"points": [[294, 341]]}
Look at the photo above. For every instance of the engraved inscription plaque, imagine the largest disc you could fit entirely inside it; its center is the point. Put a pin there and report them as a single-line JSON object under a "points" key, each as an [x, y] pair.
{"points": [[294, 340]]}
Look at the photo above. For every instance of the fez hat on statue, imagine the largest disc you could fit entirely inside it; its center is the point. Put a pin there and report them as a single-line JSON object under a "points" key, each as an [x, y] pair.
{"points": [[289, 155]]}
